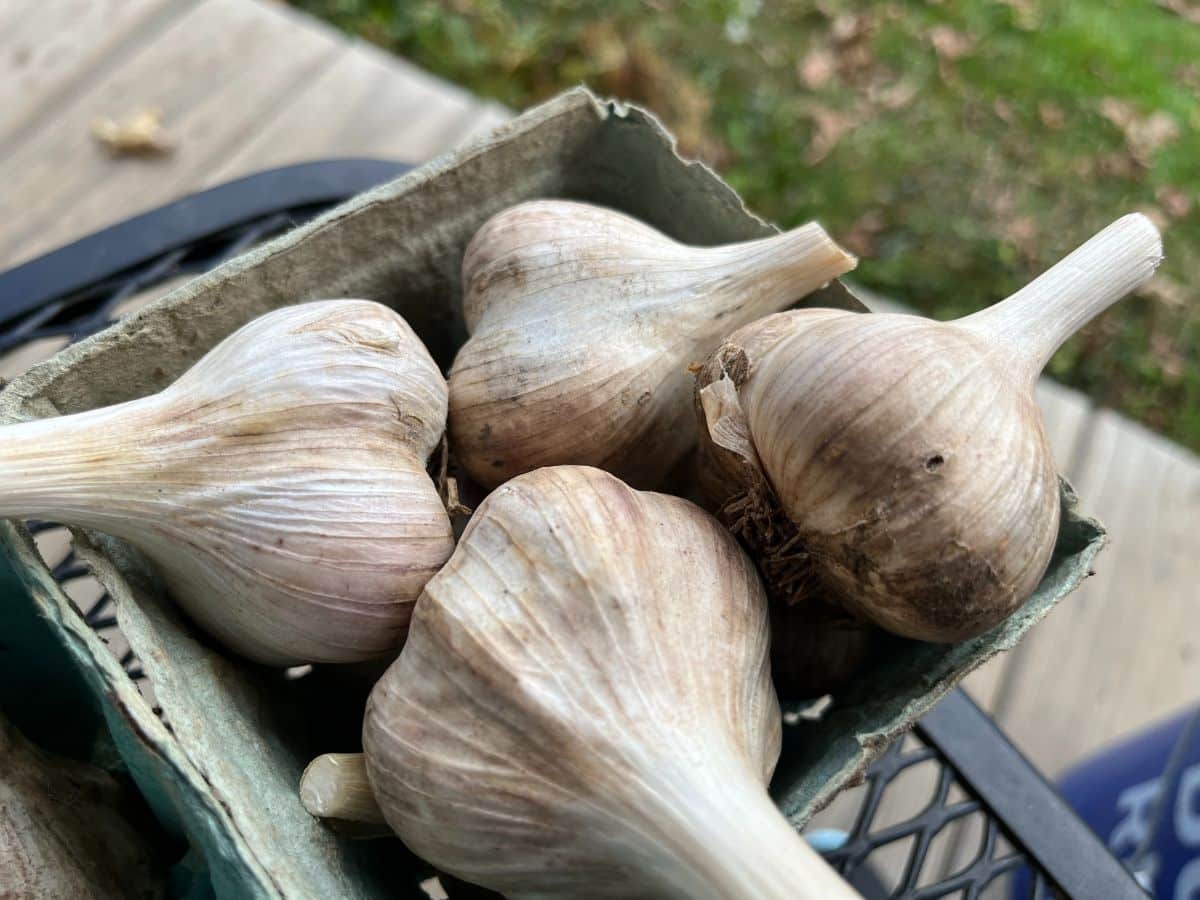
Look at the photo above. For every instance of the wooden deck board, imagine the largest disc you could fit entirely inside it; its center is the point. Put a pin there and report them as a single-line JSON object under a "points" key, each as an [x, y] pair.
{"points": [[47, 47], [1124, 650], [366, 104], [62, 184]]}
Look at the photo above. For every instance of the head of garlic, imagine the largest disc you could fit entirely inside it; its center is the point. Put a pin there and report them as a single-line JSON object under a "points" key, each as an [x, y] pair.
{"points": [[904, 461], [279, 485], [583, 707], [583, 322], [65, 832]]}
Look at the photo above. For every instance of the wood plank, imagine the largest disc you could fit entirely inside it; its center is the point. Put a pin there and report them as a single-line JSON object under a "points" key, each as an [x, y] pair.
{"points": [[367, 104], [1123, 651], [47, 47], [216, 73]]}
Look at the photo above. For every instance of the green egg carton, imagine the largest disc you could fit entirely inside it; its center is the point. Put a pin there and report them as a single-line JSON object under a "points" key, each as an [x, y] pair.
{"points": [[216, 744]]}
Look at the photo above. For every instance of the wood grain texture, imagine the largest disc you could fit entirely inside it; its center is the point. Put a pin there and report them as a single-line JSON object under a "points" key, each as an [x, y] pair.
{"points": [[366, 104], [216, 73], [1123, 651], [46, 48]]}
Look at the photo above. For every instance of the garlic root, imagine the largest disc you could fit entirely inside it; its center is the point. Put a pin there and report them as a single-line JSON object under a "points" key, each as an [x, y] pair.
{"points": [[279, 485], [334, 787], [583, 707], [904, 461], [583, 322]]}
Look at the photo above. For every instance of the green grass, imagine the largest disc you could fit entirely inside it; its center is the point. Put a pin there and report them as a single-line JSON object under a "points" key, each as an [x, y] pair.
{"points": [[957, 176]]}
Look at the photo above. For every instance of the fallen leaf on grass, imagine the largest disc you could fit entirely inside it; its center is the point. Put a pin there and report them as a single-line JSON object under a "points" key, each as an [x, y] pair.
{"points": [[949, 44], [1144, 135], [1119, 164], [1052, 115], [817, 67], [1155, 215], [849, 27], [139, 134], [1164, 290], [1003, 110], [1026, 14], [1022, 233], [1174, 201], [635, 70], [831, 125], [1182, 8], [894, 96], [860, 239]]}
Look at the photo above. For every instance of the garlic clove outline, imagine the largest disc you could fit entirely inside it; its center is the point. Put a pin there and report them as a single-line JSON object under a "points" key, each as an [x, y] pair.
{"points": [[279, 485], [907, 457], [583, 322], [583, 707]]}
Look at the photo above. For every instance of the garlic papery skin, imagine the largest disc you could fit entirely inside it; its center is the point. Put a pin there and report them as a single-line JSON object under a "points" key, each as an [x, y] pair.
{"points": [[279, 485], [908, 456], [64, 834], [584, 709], [583, 322]]}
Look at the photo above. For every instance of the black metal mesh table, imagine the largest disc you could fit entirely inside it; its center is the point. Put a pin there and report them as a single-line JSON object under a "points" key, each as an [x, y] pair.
{"points": [[1026, 842]]}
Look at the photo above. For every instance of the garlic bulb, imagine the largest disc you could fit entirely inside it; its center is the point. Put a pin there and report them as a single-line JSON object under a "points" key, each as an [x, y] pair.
{"points": [[907, 457], [583, 322], [62, 832], [583, 707], [279, 485]]}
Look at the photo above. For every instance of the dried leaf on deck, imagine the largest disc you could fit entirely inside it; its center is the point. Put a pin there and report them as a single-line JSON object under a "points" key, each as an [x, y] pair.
{"points": [[138, 134]]}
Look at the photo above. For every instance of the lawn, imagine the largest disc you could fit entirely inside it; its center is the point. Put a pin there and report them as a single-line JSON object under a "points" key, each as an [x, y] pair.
{"points": [[958, 147]]}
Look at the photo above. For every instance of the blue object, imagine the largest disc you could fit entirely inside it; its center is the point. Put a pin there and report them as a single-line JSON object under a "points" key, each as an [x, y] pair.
{"points": [[1142, 797]]}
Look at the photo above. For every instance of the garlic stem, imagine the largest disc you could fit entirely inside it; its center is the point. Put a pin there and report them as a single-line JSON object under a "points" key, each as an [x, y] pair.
{"points": [[1035, 321], [335, 786], [776, 270], [65, 468], [732, 841]]}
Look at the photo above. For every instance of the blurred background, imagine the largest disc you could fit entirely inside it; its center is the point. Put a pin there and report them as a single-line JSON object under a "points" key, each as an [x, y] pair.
{"points": [[959, 147]]}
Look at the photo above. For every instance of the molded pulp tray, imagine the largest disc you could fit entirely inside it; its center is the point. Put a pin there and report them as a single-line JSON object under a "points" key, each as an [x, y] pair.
{"points": [[220, 754]]}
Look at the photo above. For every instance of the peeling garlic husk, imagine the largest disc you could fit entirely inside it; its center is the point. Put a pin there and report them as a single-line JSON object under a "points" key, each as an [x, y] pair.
{"points": [[906, 458], [583, 707], [583, 323], [62, 832], [279, 485]]}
